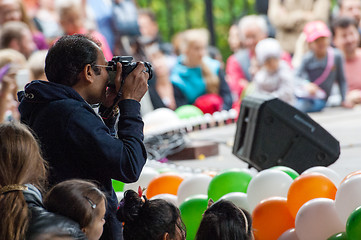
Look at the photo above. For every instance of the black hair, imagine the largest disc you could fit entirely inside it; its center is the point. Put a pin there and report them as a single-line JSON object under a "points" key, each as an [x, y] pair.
{"points": [[148, 219], [68, 57], [343, 22], [225, 221]]}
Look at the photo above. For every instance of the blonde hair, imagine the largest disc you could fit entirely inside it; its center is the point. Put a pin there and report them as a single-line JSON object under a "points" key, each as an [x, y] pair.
{"points": [[36, 64], [8, 55], [201, 35]]}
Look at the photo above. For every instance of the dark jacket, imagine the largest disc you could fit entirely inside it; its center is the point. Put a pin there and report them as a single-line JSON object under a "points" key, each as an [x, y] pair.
{"points": [[44, 222], [77, 144]]}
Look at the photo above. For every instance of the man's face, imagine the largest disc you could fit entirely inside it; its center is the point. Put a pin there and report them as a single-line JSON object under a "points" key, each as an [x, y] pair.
{"points": [[346, 39], [351, 8], [251, 35], [100, 80]]}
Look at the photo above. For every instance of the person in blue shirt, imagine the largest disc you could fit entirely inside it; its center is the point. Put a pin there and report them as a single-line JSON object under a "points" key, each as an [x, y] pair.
{"points": [[195, 74]]}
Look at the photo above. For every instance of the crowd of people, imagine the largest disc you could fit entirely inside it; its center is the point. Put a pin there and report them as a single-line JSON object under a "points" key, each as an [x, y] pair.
{"points": [[65, 133]]}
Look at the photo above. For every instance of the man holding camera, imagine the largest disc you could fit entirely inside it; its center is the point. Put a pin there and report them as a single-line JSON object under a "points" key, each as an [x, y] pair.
{"points": [[75, 140]]}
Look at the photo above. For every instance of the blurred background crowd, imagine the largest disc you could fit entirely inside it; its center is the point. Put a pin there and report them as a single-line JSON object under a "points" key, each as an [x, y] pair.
{"points": [[304, 52]]}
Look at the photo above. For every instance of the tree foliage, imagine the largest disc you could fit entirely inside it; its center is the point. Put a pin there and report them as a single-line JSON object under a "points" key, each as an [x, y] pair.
{"points": [[178, 15]]}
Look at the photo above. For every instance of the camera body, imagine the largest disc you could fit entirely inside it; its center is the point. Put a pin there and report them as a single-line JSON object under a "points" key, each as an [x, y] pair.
{"points": [[127, 67]]}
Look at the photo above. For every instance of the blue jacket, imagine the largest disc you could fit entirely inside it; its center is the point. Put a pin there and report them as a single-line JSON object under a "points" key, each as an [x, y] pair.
{"points": [[77, 144]]}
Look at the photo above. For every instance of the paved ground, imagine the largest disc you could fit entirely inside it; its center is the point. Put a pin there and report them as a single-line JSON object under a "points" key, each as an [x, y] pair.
{"points": [[343, 124]]}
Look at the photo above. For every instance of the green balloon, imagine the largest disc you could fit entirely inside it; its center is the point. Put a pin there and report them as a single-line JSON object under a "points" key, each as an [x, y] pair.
{"points": [[118, 186], [353, 225], [188, 111], [233, 180], [338, 236], [292, 173], [192, 210]]}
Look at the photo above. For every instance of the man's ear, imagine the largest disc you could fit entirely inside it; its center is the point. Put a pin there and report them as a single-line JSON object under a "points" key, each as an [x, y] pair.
{"points": [[88, 73], [166, 236]]}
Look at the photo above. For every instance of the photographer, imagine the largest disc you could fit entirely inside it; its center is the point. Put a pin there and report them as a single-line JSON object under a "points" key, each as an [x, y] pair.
{"points": [[74, 139]]}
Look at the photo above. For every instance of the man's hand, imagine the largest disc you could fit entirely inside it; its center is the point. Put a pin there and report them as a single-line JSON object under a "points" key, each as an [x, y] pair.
{"points": [[136, 83], [111, 92], [312, 88]]}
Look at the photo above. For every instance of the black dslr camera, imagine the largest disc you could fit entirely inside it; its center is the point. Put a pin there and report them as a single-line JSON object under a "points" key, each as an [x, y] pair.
{"points": [[127, 67]]}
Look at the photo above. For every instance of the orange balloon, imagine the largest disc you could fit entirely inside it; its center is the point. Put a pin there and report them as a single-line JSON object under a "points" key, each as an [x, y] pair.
{"points": [[271, 218], [350, 175], [307, 187], [164, 183]]}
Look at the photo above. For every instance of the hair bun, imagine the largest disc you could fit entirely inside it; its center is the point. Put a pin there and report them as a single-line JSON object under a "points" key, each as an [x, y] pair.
{"points": [[129, 207]]}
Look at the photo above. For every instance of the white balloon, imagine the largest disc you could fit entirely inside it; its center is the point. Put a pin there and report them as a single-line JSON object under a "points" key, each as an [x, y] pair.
{"points": [[328, 172], [168, 197], [196, 184], [317, 219], [145, 177], [348, 197], [267, 183], [237, 198], [160, 120], [289, 234]]}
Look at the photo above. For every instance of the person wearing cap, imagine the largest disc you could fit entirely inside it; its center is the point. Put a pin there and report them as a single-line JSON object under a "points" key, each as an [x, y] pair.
{"points": [[320, 68], [275, 77]]}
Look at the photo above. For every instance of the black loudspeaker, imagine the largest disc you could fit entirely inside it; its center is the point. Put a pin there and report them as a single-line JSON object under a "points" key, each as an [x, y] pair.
{"points": [[270, 132]]}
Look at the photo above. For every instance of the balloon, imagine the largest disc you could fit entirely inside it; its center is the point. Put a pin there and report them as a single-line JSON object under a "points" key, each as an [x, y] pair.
{"points": [[144, 179], [328, 172], [164, 183], [234, 180], [289, 234], [307, 187], [338, 236], [192, 210], [160, 120], [355, 173], [292, 173], [353, 225], [271, 218], [237, 198], [168, 197], [118, 186], [348, 197], [196, 184], [268, 183], [317, 219], [188, 111]]}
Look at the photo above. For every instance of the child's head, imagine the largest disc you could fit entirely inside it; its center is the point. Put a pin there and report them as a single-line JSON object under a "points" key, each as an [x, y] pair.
{"points": [[71, 18], [81, 201], [149, 219], [318, 37], [225, 221], [268, 53], [20, 163]]}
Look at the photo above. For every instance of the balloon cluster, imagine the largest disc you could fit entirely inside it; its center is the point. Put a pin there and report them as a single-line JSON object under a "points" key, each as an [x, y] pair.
{"points": [[315, 205]]}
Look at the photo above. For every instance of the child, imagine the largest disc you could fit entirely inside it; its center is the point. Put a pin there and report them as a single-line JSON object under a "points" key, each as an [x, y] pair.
{"points": [[225, 221], [23, 172], [321, 67], [275, 76], [81, 201], [149, 219]]}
